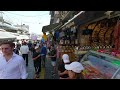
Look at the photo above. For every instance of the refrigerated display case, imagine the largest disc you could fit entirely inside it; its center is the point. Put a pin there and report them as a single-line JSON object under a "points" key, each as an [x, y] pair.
{"points": [[100, 66]]}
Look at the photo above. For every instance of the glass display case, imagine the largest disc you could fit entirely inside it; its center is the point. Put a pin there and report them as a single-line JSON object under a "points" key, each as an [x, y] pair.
{"points": [[100, 66]]}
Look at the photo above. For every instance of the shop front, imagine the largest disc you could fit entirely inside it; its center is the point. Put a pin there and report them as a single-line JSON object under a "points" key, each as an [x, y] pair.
{"points": [[69, 40], [99, 42], [95, 41], [101, 34]]}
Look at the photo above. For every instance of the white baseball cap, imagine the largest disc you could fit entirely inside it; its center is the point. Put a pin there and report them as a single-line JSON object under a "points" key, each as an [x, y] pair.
{"points": [[65, 58], [75, 67]]}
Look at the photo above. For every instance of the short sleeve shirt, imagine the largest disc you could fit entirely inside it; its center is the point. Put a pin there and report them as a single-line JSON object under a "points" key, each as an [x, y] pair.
{"points": [[61, 68], [52, 53]]}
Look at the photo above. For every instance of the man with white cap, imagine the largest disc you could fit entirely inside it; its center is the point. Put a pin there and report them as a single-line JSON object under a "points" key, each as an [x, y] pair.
{"points": [[62, 72], [74, 70]]}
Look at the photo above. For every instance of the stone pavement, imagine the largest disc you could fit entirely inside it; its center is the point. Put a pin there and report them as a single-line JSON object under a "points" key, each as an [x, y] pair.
{"points": [[48, 69], [45, 72], [30, 68]]}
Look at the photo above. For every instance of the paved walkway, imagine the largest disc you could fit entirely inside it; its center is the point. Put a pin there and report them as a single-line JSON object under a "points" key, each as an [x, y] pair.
{"points": [[45, 72], [48, 69], [30, 68]]}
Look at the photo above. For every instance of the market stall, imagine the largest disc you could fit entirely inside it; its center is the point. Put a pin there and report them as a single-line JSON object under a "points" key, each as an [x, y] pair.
{"points": [[101, 34], [100, 66], [68, 41], [77, 33], [89, 30]]}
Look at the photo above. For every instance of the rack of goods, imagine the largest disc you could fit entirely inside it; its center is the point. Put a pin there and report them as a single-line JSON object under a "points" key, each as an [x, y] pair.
{"points": [[68, 42], [67, 50]]}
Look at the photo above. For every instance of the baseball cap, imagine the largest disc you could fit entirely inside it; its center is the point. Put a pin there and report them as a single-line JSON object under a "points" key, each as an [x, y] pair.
{"points": [[65, 58], [36, 47], [75, 67]]}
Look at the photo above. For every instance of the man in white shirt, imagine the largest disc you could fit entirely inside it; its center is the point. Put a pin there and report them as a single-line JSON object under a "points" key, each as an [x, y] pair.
{"points": [[12, 66], [24, 49]]}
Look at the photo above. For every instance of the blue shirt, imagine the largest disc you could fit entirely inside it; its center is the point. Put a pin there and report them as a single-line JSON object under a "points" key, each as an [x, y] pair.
{"points": [[43, 50], [42, 40], [57, 34]]}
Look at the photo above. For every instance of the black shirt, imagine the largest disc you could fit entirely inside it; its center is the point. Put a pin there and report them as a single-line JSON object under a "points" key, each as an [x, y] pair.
{"points": [[52, 53], [33, 50], [29, 45], [16, 51], [18, 46], [61, 68], [38, 60]]}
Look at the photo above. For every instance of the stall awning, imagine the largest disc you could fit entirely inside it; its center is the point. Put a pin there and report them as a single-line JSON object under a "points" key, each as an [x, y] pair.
{"points": [[89, 17], [67, 17], [51, 27], [72, 18], [85, 17]]}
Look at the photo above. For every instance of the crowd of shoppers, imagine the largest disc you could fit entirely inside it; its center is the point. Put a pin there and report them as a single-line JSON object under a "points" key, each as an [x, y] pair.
{"points": [[14, 60]]}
